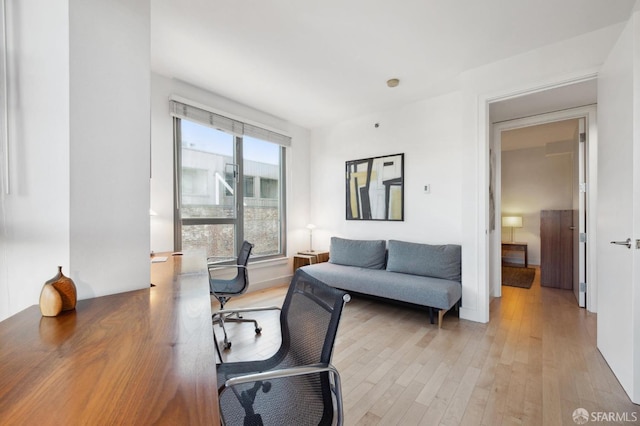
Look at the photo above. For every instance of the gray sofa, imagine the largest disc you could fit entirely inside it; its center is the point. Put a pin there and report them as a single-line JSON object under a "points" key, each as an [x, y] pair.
{"points": [[421, 274]]}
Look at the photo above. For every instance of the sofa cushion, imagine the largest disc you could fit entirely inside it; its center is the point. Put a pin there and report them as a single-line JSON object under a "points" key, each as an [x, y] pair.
{"points": [[362, 253], [438, 261]]}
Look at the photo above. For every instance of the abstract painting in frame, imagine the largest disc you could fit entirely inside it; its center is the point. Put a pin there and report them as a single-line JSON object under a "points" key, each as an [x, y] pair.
{"points": [[375, 188]]}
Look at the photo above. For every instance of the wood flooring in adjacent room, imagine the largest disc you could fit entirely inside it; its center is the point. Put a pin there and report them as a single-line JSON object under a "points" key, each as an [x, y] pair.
{"points": [[534, 363]]}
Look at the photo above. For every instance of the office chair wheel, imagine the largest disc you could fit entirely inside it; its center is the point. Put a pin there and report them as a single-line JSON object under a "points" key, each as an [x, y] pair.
{"points": [[258, 330]]}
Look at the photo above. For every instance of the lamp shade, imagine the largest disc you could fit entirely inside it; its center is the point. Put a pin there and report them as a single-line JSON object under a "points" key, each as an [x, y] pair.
{"points": [[512, 221]]}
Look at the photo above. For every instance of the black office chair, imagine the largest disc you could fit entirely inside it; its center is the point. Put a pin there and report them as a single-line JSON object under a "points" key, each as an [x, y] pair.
{"points": [[298, 385], [225, 289]]}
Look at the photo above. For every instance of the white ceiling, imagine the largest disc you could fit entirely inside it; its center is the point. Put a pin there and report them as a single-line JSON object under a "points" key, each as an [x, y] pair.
{"points": [[315, 63]]}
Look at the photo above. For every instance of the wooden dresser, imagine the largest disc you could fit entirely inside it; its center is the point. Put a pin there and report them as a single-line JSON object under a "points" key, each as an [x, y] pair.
{"points": [[556, 248]]}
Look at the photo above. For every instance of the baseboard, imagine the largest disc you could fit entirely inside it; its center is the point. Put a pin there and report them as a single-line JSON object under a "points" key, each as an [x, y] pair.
{"points": [[472, 315], [274, 282]]}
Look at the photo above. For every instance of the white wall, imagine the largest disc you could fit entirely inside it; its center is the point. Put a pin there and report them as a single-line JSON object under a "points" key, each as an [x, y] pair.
{"points": [[427, 133], [34, 236], [532, 181], [458, 201], [262, 274], [446, 143], [561, 63], [110, 149], [79, 159]]}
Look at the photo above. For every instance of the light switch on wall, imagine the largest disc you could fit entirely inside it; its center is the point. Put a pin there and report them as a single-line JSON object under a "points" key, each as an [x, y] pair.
{"points": [[427, 189]]}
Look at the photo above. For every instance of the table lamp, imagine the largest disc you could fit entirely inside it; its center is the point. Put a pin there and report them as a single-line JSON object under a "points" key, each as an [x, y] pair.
{"points": [[512, 222], [311, 227]]}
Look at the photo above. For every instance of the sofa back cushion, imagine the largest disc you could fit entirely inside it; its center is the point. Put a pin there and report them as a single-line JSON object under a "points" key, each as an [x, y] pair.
{"points": [[438, 261], [363, 253]]}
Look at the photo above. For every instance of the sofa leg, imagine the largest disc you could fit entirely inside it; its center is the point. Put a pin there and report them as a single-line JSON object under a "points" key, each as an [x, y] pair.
{"points": [[441, 313]]}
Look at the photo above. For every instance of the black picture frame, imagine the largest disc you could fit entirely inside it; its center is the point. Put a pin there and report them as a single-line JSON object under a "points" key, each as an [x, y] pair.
{"points": [[375, 188]]}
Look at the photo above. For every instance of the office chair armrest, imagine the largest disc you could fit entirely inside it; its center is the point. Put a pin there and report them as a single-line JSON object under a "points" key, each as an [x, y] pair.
{"points": [[278, 374], [213, 266], [290, 372], [222, 258], [243, 310]]}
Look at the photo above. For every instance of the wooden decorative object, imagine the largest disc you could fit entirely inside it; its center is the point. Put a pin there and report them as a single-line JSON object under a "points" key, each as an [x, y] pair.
{"points": [[58, 295]]}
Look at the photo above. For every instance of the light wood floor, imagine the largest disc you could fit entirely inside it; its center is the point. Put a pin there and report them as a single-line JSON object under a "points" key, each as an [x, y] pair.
{"points": [[534, 363]]}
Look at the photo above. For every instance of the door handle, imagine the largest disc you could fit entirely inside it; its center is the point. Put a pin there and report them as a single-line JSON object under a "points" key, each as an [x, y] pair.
{"points": [[627, 243]]}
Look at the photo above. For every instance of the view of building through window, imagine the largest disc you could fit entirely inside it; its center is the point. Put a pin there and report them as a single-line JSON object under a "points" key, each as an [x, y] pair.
{"points": [[212, 178]]}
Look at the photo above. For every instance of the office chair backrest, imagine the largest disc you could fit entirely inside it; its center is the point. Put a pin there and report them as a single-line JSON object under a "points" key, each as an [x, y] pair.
{"points": [[243, 259], [309, 319], [309, 323], [224, 288]]}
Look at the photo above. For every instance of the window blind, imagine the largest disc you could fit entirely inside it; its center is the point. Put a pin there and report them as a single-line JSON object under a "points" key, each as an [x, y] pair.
{"points": [[217, 121]]}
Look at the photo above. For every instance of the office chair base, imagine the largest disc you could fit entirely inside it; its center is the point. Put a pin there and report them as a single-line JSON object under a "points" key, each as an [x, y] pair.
{"points": [[233, 317]]}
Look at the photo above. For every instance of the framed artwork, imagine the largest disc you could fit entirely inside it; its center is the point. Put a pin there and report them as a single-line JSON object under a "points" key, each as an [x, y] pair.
{"points": [[375, 188]]}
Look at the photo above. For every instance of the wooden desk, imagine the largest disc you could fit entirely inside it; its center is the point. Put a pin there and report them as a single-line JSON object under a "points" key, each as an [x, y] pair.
{"points": [[520, 250], [141, 357]]}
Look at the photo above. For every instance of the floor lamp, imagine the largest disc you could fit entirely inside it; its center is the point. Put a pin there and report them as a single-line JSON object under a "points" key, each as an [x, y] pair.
{"points": [[512, 222]]}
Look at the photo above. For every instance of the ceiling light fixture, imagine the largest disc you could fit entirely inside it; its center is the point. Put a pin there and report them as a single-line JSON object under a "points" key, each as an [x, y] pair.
{"points": [[393, 82]]}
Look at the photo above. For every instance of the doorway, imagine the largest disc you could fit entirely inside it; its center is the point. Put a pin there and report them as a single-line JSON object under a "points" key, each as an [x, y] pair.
{"points": [[546, 168]]}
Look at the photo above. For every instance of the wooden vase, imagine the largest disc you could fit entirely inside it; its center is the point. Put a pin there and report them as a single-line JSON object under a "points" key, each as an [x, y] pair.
{"points": [[58, 295]]}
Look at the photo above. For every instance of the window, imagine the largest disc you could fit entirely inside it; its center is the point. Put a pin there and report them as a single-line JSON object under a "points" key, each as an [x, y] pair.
{"points": [[194, 182], [229, 185], [249, 189], [268, 188]]}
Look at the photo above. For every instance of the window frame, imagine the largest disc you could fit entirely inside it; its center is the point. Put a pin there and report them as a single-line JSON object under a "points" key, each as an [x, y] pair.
{"points": [[238, 221]]}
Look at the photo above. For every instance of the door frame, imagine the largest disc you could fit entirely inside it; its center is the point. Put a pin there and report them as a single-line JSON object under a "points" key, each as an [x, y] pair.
{"points": [[494, 237]]}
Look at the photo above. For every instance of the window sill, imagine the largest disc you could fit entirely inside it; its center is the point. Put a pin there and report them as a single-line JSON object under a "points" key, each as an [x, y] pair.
{"points": [[265, 263]]}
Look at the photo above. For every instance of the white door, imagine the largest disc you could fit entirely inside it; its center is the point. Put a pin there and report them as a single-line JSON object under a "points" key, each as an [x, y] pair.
{"points": [[618, 215]]}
